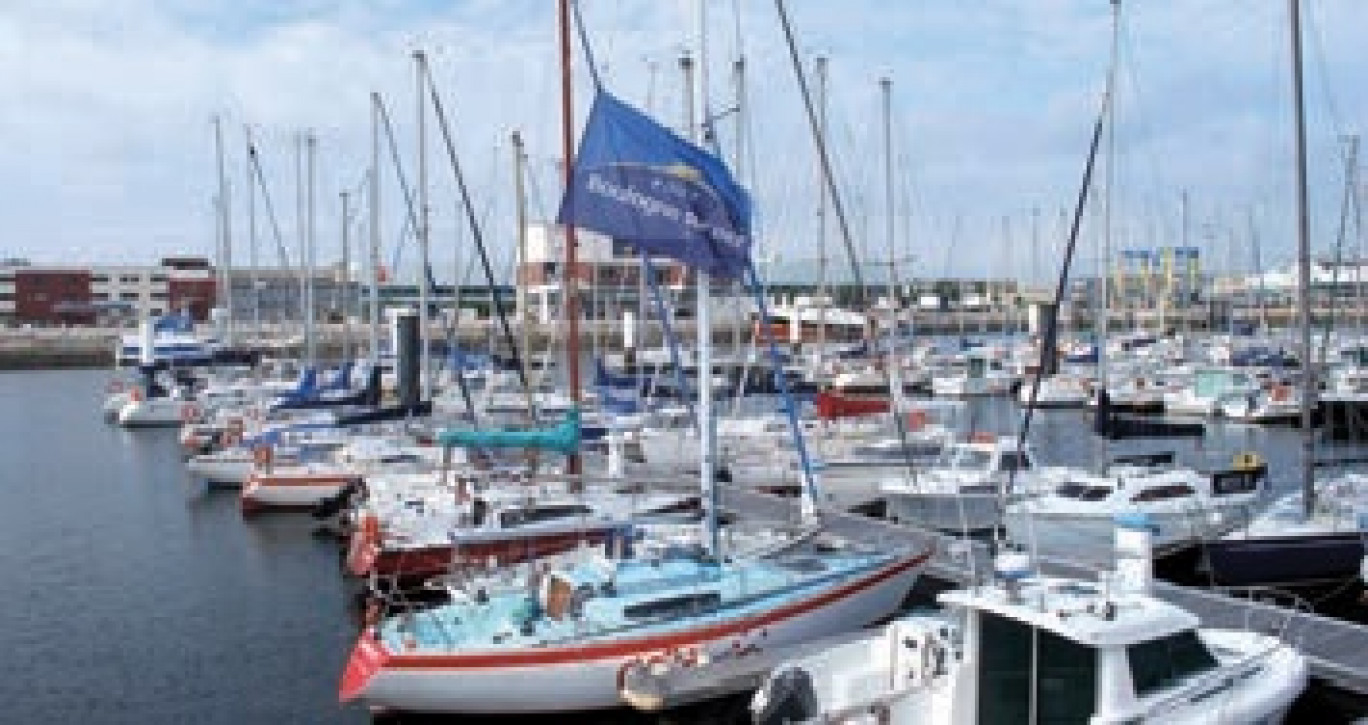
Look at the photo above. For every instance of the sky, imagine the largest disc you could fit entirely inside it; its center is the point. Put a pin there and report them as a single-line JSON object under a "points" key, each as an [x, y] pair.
{"points": [[109, 107]]}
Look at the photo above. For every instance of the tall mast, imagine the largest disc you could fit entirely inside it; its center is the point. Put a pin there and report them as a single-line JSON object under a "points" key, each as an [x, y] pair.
{"points": [[374, 266], [1104, 322], [252, 259], [522, 276], [346, 277], [310, 335], [569, 286], [886, 92], [420, 70], [225, 236], [821, 73], [1303, 267]]}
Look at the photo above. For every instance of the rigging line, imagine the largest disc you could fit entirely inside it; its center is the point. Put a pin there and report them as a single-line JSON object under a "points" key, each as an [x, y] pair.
{"points": [[861, 292], [1318, 50], [584, 45], [403, 183], [281, 250], [1048, 339], [477, 236]]}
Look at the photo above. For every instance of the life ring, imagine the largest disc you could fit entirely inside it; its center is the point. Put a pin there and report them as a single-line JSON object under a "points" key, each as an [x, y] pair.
{"points": [[261, 455], [189, 413]]}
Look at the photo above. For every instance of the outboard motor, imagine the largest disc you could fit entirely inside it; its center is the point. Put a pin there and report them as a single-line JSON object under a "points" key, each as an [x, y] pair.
{"points": [[787, 697]]}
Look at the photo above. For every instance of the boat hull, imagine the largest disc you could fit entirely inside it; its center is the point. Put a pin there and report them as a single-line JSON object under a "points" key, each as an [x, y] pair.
{"points": [[1285, 560], [292, 492], [588, 676], [946, 512]]}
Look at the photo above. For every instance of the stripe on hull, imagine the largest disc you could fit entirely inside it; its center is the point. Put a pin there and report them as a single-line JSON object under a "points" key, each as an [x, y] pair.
{"points": [[370, 657]]}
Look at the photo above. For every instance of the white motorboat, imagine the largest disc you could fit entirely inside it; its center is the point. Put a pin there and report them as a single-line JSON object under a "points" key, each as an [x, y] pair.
{"points": [[1186, 506], [1272, 404], [965, 491], [1210, 388], [1056, 391], [1028, 648]]}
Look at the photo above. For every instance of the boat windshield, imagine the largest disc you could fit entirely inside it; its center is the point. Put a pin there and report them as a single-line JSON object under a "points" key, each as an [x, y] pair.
{"points": [[1165, 662], [970, 458]]}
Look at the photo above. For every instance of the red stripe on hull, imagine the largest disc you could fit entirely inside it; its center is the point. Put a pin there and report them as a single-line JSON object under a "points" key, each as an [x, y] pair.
{"points": [[367, 645]]}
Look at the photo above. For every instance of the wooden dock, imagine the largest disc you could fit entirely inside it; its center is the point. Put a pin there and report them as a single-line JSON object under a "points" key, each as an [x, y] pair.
{"points": [[1337, 650]]}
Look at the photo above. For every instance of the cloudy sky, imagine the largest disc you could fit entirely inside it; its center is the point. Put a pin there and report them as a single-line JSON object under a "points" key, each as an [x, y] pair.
{"points": [[108, 150]]}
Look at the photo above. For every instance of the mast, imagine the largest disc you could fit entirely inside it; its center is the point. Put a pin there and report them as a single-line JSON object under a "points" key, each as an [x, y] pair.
{"points": [[346, 277], [424, 383], [886, 93], [519, 279], [252, 259], [375, 230], [821, 73], [569, 287], [225, 241], [1104, 323], [1303, 267], [310, 335]]}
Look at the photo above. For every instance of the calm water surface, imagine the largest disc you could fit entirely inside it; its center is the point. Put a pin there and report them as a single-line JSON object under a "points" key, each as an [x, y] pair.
{"points": [[135, 595]]}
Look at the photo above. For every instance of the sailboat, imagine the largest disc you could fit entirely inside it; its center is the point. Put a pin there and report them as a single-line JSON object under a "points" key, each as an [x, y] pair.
{"points": [[563, 638], [1313, 536]]}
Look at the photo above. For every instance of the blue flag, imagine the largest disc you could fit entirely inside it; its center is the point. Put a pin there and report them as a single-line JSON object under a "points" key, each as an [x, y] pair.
{"points": [[639, 183]]}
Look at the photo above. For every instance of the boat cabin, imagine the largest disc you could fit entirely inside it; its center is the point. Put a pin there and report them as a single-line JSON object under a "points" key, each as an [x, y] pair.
{"points": [[1047, 650], [986, 455]]}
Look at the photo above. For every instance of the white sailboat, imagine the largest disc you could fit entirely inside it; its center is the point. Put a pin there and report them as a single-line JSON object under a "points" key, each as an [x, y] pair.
{"points": [[563, 639]]}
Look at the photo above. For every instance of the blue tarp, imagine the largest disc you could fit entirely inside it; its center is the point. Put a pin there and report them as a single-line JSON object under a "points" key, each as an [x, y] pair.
{"points": [[563, 438]]}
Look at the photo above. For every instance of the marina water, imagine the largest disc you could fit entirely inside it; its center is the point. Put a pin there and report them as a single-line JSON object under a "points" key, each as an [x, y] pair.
{"points": [[137, 595]]}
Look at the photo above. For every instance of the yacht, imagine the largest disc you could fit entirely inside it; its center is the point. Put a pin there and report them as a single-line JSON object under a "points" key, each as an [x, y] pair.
{"points": [[1029, 648], [1186, 506], [966, 490]]}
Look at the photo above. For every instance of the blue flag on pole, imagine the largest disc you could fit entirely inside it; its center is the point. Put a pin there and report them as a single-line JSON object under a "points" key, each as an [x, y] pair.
{"points": [[639, 183]]}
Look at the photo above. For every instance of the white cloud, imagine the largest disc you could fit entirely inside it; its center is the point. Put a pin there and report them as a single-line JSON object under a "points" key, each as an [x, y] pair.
{"points": [[108, 145]]}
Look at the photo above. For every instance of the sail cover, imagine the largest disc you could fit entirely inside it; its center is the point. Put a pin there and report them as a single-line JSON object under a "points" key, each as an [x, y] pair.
{"points": [[640, 183]]}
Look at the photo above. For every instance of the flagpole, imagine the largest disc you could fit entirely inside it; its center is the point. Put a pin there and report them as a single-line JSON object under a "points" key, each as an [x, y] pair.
{"points": [[569, 286]]}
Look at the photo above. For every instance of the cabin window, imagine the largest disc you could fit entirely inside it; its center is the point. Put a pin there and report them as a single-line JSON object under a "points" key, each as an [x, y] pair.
{"points": [[1163, 663], [523, 517], [671, 607], [1015, 461], [1163, 493], [1083, 492], [970, 458], [1226, 483], [1065, 677]]}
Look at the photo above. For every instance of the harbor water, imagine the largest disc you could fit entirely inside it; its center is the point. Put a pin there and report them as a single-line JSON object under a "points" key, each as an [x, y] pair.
{"points": [[137, 595]]}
